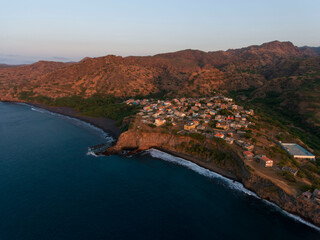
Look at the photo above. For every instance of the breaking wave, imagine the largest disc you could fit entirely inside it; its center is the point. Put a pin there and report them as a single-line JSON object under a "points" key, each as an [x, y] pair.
{"points": [[227, 182], [108, 139], [200, 170], [75, 121], [91, 153]]}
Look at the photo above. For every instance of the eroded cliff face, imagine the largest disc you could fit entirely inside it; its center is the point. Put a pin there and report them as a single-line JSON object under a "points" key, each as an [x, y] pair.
{"points": [[133, 139], [136, 140]]}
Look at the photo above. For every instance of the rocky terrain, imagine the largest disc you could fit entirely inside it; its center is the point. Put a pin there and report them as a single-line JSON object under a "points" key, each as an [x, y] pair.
{"points": [[277, 78], [275, 66], [189, 72], [233, 167]]}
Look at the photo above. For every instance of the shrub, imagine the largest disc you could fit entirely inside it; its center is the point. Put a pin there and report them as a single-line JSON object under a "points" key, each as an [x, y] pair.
{"points": [[288, 176]]}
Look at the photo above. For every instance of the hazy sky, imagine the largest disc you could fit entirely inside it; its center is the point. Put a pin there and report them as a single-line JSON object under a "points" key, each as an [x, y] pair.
{"points": [[72, 29]]}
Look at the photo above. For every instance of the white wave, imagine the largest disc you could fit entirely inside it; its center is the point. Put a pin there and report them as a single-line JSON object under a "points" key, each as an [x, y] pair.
{"points": [[295, 217], [91, 153], [37, 109], [229, 183], [76, 121], [200, 170]]}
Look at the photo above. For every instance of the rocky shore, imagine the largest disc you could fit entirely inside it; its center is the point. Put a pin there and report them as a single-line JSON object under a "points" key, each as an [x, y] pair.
{"points": [[136, 141]]}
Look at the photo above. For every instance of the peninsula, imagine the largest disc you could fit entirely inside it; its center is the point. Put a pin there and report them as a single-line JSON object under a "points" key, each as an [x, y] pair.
{"points": [[251, 114], [220, 135]]}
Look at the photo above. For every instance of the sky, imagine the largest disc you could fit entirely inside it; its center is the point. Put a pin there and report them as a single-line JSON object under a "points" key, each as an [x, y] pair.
{"points": [[69, 30]]}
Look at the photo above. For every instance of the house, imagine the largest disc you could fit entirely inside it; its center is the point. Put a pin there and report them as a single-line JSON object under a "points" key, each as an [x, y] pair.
{"points": [[209, 104], [218, 117], [147, 108], [144, 102], [240, 142], [234, 107], [224, 126], [248, 147], [228, 99], [130, 101], [235, 125], [223, 106], [250, 112], [229, 140], [179, 114], [189, 126], [248, 155], [219, 135], [237, 117], [157, 114], [265, 161], [196, 122], [211, 112], [201, 127], [194, 108], [158, 122]]}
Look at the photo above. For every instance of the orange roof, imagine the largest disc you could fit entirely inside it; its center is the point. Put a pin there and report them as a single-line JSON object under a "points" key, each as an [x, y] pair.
{"points": [[219, 135], [248, 153]]}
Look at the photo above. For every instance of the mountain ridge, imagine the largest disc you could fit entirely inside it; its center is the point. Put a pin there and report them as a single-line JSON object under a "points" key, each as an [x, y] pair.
{"points": [[275, 66]]}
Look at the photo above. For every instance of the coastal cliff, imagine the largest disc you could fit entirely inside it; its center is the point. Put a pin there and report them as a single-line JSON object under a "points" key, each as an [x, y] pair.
{"points": [[232, 166]]}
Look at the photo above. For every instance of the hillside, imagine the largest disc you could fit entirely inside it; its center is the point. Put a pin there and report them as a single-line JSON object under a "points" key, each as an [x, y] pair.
{"points": [[190, 72], [276, 76]]}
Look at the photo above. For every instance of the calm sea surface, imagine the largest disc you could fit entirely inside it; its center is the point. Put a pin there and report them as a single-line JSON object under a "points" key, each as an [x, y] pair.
{"points": [[51, 189]]}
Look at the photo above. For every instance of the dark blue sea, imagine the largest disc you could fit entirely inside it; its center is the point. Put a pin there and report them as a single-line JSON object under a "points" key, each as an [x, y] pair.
{"points": [[51, 188]]}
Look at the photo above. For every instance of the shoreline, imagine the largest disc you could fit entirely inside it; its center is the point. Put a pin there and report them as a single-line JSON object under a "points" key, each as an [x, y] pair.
{"points": [[202, 164], [235, 181], [107, 125]]}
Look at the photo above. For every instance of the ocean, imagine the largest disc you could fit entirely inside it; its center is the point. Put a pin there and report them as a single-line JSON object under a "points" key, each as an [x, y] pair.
{"points": [[52, 188]]}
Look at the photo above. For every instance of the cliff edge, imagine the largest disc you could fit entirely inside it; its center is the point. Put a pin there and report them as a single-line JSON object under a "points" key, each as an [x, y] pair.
{"points": [[228, 163]]}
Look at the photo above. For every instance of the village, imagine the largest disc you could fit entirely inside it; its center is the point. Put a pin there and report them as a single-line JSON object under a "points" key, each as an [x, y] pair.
{"points": [[218, 117]]}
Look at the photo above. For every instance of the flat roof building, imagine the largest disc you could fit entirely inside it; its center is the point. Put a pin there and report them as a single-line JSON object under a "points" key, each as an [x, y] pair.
{"points": [[297, 151]]}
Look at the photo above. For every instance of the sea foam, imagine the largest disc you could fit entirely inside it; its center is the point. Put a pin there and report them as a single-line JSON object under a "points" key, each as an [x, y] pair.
{"points": [[75, 121], [227, 182]]}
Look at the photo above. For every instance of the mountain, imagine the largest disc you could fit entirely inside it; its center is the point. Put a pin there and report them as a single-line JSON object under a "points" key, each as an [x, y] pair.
{"points": [[315, 51], [274, 72], [2, 65], [190, 72]]}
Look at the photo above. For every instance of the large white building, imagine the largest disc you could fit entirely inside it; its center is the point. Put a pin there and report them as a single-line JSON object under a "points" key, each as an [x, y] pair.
{"points": [[297, 151]]}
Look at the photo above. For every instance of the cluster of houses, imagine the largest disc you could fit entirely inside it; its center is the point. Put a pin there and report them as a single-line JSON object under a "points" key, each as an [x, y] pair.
{"points": [[194, 114], [262, 159], [217, 116]]}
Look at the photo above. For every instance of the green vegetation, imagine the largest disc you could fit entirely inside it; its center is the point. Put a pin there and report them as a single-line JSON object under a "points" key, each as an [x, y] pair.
{"points": [[95, 106], [196, 136], [288, 176], [274, 114], [98, 106], [248, 135], [26, 95], [213, 123], [225, 112], [216, 154]]}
